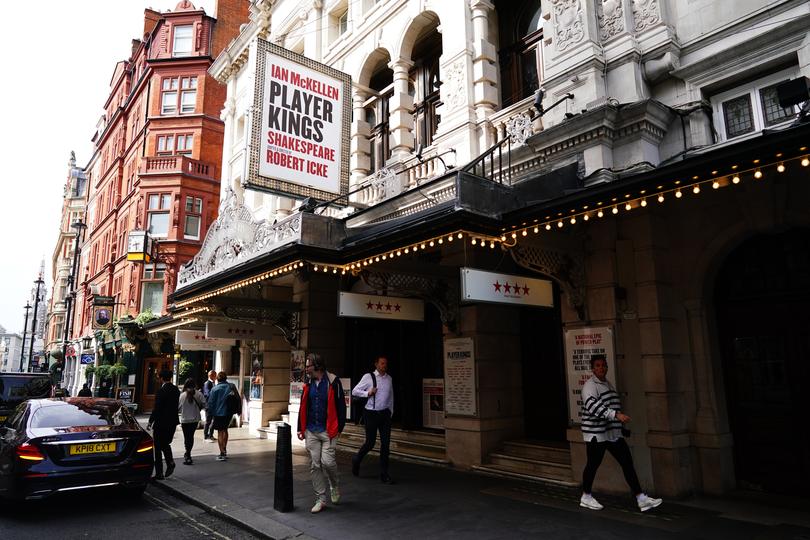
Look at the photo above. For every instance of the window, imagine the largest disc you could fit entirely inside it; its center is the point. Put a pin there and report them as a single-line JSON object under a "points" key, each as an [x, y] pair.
{"points": [[191, 229], [158, 211], [752, 107], [377, 116], [343, 22], [152, 287], [185, 101], [425, 78], [165, 144], [170, 144], [185, 143], [182, 41], [520, 54]]}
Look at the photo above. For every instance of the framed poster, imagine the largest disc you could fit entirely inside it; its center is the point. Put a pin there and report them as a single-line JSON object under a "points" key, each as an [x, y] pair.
{"points": [[459, 377], [433, 403], [580, 345], [300, 130]]}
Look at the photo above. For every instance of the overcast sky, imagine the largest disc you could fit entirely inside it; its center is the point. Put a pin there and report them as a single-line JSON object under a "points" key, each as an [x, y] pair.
{"points": [[59, 57]]}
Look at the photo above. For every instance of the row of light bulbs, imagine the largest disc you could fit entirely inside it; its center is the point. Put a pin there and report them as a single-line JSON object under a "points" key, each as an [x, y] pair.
{"points": [[509, 239], [659, 195]]}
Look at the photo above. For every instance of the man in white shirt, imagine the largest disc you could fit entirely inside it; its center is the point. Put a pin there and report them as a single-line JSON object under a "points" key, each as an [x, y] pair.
{"points": [[379, 390]]}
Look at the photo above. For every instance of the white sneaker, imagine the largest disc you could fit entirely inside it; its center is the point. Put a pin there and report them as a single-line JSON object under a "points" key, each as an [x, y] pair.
{"points": [[335, 494], [645, 502], [587, 501], [319, 506]]}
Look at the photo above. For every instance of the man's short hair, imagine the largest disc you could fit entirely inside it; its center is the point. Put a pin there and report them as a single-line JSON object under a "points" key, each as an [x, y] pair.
{"points": [[595, 357], [222, 376], [317, 363], [212, 372], [379, 357], [166, 374]]}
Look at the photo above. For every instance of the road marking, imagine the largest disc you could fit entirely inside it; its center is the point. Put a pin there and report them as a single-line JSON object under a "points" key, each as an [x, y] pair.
{"points": [[200, 527]]}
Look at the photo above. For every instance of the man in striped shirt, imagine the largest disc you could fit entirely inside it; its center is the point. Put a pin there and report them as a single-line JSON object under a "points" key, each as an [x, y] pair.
{"points": [[602, 421]]}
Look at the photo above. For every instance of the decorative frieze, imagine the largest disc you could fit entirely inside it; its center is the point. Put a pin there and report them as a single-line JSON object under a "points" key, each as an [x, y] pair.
{"points": [[235, 238], [646, 13], [610, 15], [569, 26], [454, 82], [519, 128]]}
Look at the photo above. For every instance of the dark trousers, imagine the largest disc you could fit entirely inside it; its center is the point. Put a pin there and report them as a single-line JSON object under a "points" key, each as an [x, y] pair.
{"points": [[620, 452], [188, 436], [163, 439], [208, 430], [377, 421]]}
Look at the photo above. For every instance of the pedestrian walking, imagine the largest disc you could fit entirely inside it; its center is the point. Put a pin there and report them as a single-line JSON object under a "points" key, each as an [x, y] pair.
{"points": [[603, 430], [85, 391], [190, 404], [208, 430], [218, 405], [378, 388], [164, 422], [321, 419]]}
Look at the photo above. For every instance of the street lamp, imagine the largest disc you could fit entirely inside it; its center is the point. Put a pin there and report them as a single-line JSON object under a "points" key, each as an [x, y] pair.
{"points": [[27, 308], [39, 281], [79, 226]]}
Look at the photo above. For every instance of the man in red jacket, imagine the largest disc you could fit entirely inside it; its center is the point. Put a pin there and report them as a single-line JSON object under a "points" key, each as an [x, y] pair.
{"points": [[320, 420]]}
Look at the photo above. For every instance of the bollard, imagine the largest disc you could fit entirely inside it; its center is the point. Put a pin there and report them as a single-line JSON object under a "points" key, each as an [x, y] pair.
{"points": [[283, 489]]}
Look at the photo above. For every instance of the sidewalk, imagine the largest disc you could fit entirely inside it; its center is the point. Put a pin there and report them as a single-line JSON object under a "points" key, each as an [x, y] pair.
{"points": [[435, 502]]}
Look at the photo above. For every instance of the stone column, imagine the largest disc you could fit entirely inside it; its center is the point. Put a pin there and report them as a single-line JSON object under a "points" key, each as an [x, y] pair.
{"points": [[400, 116], [712, 438], [312, 38], [495, 331], [485, 72], [360, 148]]}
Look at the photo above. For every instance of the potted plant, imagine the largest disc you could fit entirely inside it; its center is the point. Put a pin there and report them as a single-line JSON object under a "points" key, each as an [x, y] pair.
{"points": [[184, 370], [116, 372]]}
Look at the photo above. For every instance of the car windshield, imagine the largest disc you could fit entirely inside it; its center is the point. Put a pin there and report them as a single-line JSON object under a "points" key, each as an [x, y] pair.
{"points": [[80, 413], [17, 388]]}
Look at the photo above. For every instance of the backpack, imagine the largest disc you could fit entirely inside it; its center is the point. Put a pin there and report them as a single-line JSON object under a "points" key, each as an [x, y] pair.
{"points": [[360, 402], [233, 401]]}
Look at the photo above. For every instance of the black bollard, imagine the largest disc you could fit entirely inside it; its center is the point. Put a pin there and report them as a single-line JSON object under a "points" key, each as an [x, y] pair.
{"points": [[283, 490]]}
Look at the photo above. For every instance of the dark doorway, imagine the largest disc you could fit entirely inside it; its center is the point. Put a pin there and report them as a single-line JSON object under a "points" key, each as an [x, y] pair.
{"points": [[414, 352], [762, 293], [544, 386]]}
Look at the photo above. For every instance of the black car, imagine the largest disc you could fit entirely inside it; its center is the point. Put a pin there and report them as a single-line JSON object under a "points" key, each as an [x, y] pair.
{"points": [[18, 387], [65, 444]]}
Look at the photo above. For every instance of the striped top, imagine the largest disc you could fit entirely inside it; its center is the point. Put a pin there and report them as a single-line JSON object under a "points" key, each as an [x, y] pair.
{"points": [[600, 403]]}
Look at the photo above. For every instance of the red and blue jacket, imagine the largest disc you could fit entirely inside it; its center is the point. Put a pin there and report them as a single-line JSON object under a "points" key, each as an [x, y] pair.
{"points": [[335, 407]]}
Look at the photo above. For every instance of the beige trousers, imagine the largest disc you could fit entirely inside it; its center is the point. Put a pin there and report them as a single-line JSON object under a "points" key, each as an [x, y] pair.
{"points": [[324, 467]]}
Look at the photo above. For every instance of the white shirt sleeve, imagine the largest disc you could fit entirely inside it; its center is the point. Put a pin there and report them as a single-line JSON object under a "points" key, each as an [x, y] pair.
{"points": [[362, 388]]}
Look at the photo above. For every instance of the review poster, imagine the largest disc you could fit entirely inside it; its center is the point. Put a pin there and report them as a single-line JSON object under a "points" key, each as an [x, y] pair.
{"points": [[580, 345]]}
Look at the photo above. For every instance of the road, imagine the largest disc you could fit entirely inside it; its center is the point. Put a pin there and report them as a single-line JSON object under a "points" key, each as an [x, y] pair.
{"points": [[103, 514]]}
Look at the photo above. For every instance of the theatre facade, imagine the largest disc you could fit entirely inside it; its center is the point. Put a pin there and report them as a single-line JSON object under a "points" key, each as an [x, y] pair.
{"points": [[488, 243]]}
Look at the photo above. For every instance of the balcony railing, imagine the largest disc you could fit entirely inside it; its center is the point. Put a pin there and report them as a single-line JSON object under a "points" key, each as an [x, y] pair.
{"points": [[177, 165]]}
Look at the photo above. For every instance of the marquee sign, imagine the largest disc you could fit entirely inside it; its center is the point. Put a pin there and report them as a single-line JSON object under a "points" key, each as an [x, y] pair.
{"points": [[301, 125], [480, 286], [236, 330], [195, 340], [375, 306]]}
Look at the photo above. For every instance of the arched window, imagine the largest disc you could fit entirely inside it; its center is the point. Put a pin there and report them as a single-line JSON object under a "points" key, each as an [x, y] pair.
{"points": [[520, 31], [424, 87], [382, 82]]}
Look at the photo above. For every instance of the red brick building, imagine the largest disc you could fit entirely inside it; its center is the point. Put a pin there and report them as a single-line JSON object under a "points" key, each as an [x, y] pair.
{"points": [[157, 161]]}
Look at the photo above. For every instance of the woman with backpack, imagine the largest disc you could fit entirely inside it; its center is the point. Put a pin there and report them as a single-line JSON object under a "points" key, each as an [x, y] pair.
{"points": [[190, 405]]}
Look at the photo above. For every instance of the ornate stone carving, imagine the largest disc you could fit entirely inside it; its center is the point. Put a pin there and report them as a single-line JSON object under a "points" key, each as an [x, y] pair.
{"points": [[611, 18], [569, 28], [519, 128], [286, 320], [235, 238], [646, 13], [566, 269], [455, 84], [443, 294]]}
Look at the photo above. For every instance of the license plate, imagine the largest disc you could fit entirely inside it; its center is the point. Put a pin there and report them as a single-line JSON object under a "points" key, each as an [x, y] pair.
{"points": [[92, 448]]}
